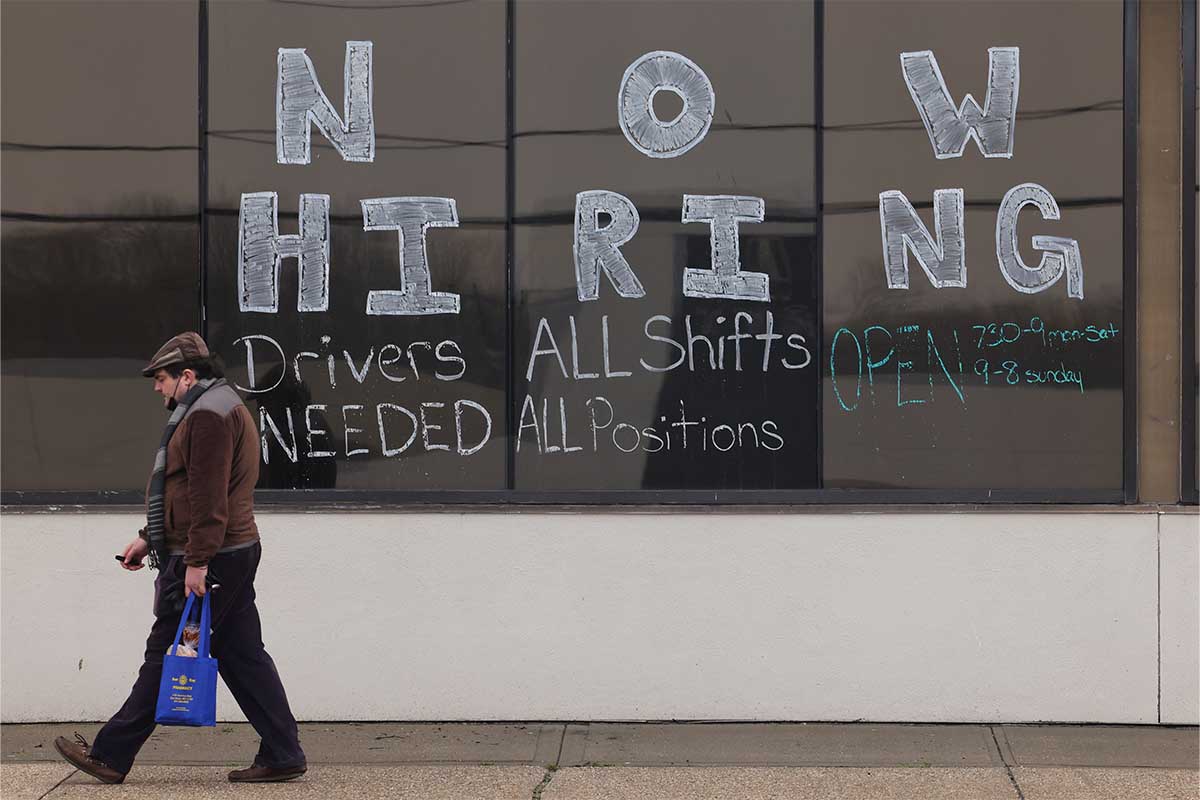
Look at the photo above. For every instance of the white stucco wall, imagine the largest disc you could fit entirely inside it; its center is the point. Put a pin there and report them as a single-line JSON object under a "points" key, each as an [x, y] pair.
{"points": [[1016, 616], [1180, 621]]}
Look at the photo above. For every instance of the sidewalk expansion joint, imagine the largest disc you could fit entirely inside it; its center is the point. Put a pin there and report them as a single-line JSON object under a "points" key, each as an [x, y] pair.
{"points": [[541, 787], [1012, 778], [561, 739], [52, 789]]}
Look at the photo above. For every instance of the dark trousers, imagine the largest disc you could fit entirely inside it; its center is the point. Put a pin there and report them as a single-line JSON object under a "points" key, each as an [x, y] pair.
{"points": [[237, 645]]}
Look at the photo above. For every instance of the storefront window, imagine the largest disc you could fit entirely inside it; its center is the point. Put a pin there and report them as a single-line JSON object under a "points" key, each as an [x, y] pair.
{"points": [[1011, 380], [100, 234], [542, 251]]}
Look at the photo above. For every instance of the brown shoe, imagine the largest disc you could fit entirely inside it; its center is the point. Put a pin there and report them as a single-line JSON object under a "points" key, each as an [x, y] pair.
{"points": [[257, 773], [78, 753]]}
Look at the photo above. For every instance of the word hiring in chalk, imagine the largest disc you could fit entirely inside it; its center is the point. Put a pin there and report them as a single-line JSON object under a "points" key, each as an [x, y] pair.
{"points": [[398, 427], [262, 249]]}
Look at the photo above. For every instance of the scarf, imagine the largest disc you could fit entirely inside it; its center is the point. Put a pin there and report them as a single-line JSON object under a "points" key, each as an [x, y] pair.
{"points": [[156, 530]]}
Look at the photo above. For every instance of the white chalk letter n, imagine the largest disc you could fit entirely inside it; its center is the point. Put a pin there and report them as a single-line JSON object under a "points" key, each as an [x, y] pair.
{"points": [[300, 102], [942, 256]]}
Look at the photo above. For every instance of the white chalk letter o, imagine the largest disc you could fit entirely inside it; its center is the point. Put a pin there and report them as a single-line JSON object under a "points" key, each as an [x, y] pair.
{"points": [[655, 72]]}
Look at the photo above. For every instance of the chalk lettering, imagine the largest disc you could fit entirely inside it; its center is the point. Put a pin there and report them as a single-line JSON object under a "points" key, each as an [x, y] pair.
{"points": [[935, 354], [427, 426], [725, 280], [296, 362], [543, 325], [624, 436], [797, 344], [549, 448], [330, 362], [609, 372], [264, 422], [349, 430], [250, 362], [314, 431], [390, 361], [737, 337], [261, 249], [383, 442], [459, 406], [943, 258], [1059, 254], [683, 353], [575, 353], [528, 408], [900, 367], [596, 426], [562, 417], [450, 359], [411, 217], [992, 127], [872, 363], [773, 432], [692, 339], [597, 246], [837, 392], [359, 376], [650, 74], [412, 357], [300, 100]]}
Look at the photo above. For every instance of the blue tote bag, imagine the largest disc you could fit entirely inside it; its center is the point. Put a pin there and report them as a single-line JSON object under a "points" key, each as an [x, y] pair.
{"points": [[187, 693]]}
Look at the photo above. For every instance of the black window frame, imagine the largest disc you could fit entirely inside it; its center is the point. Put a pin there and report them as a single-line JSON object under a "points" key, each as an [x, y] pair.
{"points": [[1190, 376]]}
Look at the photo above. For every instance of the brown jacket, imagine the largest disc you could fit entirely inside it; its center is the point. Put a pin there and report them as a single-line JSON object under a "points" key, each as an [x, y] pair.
{"points": [[212, 466]]}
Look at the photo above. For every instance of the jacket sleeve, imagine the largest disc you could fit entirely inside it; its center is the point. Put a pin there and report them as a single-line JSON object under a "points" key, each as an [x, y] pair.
{"points": [[209, 461]]}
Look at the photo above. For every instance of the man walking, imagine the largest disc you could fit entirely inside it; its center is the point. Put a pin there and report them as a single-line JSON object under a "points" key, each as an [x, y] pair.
{"points": [[200, 532]]}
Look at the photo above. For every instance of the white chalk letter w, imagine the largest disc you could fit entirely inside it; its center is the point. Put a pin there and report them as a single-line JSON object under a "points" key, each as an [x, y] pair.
{"points": [[949, 128]]}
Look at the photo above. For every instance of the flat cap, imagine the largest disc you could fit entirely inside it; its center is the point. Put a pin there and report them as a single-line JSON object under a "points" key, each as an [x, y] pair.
{"points": [[187, 346]]}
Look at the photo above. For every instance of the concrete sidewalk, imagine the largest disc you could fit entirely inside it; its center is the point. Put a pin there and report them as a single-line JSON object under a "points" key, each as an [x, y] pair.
{"points": [[464, 761]]}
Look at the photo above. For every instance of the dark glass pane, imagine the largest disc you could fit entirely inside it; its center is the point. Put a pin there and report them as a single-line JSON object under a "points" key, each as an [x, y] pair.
{"points": [[735, 417], [410, 398], [982, 386], [100, 234]]}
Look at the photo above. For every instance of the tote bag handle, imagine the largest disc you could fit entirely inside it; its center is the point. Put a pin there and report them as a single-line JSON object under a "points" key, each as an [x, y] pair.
{"points": [[205, 624]]}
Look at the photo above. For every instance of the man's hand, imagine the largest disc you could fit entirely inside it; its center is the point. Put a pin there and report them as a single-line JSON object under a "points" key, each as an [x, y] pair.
{"points": [[193, 581], [135, 554]]}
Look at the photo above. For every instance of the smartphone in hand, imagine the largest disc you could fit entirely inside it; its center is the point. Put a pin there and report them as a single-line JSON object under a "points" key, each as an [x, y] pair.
{"points": [[121, 558]]}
